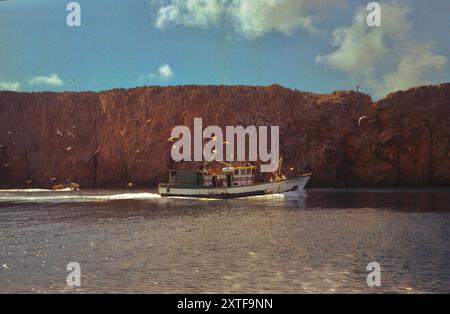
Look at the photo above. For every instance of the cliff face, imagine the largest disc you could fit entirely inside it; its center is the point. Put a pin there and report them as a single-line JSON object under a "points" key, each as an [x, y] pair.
{"points": [[115, 137]]}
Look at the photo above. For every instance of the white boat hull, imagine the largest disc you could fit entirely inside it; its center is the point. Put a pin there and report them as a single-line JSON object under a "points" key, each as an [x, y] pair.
{"points": [[267, 188]]}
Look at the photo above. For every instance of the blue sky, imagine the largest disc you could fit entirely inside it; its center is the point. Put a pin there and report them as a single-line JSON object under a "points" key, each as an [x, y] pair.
{"points": [[317, 46]]}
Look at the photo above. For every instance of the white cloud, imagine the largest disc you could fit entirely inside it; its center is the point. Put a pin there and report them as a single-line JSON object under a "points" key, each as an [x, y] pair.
{"points": [[165, 71], [412, 70], [251, 18], [359, 47], [10, 86], [51, 80], [364, 52], [190, 13]]}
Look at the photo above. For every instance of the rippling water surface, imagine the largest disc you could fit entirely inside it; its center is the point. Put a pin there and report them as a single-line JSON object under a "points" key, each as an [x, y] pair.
{"points": [[321, 242]]}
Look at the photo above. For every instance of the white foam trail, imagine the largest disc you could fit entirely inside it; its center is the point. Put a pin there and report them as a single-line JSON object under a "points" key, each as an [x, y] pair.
{"points": [[78, 197], [191, 198], [130, 196], [264, 197], [34, 190], [20, 195], [63, 190], [294, 194], [26, 190]]}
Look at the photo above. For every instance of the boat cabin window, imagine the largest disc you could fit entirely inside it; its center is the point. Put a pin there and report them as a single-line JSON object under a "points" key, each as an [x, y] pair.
{"points": [[236, 172], [249, 171], [243, 172]]}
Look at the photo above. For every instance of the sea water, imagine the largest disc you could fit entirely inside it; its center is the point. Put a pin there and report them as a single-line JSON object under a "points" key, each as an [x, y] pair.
{"points": [[320, 241]]}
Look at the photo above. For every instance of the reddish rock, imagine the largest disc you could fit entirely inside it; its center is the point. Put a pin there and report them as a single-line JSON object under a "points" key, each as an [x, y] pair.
{"points": [[111, 138], [406, 140]]}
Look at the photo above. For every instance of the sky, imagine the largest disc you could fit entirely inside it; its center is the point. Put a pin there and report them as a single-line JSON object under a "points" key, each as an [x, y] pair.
{"points": [[309, 45]]}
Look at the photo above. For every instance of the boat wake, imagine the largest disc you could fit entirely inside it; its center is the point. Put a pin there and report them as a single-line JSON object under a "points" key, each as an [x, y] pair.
{"points": [[23, 196], [278, 196], [264, 197], [55, 197], [294, 194], [130, 196], [30, 190]]}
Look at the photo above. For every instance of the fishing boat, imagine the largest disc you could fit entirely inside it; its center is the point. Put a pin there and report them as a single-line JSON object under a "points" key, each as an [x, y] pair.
{"points": [[230, 182]]}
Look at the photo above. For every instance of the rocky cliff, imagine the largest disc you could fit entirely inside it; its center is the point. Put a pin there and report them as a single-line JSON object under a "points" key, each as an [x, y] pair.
{"points": [[119, 136]]}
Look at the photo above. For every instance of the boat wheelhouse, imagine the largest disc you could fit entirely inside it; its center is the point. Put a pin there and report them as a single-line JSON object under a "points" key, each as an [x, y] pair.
{"points": [[231, 176]]}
